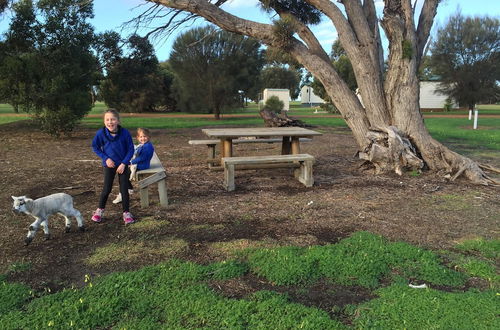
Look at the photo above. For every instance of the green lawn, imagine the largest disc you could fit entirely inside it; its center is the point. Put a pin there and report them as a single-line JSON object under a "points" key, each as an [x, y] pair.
{"points": [[455, 132], [177, 294]]}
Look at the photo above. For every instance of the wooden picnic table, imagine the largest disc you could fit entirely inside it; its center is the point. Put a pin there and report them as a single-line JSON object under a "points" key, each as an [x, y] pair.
{"points": [[290, 137]]}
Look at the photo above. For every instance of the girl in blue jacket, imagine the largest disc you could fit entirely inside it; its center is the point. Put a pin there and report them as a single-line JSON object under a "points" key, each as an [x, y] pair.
{"points": [[113, 144]]}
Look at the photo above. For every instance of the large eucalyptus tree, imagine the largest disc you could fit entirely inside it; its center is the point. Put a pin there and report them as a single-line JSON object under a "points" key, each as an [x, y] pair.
{"points": [[387, 124]]}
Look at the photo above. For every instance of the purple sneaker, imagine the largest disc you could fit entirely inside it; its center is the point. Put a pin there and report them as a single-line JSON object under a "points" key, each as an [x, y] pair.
{"points": [[127, 218], [97, 216]]}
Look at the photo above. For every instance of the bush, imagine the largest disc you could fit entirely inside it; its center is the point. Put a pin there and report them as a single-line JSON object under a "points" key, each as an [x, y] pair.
{"points": [[274, 104]]}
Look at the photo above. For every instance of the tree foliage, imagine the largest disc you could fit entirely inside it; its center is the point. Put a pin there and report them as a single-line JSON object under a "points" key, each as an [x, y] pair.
{"points": [[274, 104], [281, 77], [47, 67], [134, 82], [466, 57], [212, 68]]}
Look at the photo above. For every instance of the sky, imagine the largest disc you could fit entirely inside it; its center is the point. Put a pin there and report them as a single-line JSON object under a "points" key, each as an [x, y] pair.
{"points": [[111, 14]]}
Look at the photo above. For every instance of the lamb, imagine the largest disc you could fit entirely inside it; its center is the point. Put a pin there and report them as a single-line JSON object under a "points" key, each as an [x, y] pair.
{"points": [[42, 208]]}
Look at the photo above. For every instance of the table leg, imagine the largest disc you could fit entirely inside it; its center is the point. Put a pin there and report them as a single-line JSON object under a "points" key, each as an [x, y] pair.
{"points": [[285, 146], [295, 145], [227, 148]]}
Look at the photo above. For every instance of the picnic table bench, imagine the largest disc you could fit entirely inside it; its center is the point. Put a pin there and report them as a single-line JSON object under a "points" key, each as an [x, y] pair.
{"points": [[211, 144], [154, 174], [302, 162]]}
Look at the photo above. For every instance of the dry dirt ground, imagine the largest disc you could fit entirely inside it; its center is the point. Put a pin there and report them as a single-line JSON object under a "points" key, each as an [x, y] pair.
{"points": [[268, 206]]}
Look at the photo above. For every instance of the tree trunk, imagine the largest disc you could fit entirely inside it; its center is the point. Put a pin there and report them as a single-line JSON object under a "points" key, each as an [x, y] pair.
{"points": [[386, 122]]}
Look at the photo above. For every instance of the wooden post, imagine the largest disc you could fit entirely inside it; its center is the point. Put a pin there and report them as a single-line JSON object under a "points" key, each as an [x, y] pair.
{"points": [[285, 146], [229, 177], [144, 194], [211, 154], [307, 173], [227, 148], [295, 145], [162, 192]]}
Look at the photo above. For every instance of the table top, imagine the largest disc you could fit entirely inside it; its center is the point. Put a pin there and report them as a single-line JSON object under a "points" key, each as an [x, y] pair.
{"points": [[258, 131]]}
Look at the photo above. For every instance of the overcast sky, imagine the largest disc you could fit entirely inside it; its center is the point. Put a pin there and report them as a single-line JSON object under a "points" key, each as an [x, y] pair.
{"points": [[110, 15]]}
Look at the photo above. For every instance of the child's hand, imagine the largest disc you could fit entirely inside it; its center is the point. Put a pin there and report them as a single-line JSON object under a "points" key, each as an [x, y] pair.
{"points": [[110, 163], [120, 168]]}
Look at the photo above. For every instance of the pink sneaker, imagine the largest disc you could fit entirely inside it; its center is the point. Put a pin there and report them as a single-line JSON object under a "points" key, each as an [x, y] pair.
{"points": [[97, 216], [127, 218]]}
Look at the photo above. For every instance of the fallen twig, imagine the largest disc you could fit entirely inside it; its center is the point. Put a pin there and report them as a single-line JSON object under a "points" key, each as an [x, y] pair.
{"points": [[66, 188], [489, 168]]}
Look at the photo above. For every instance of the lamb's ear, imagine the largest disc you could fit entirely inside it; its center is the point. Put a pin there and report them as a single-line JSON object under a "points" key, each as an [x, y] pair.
{"points": [[14, 197]]}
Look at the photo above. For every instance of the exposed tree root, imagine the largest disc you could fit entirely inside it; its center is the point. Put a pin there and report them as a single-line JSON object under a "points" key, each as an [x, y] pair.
{"points": [[391, 150]]}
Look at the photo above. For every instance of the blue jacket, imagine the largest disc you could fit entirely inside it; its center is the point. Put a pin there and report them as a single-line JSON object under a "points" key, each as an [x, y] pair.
{"points": [[119, 148], [143, 155]]}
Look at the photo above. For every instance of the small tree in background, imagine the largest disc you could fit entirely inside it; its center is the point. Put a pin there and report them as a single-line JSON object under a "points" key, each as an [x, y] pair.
{"points": [[134, 83], [281, 77], [274, 104], [212, 67], [466, 57], [47, 68]]}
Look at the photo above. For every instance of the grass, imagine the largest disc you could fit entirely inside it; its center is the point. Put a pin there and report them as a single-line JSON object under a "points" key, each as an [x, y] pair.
{"points": [[134, 250], [459, 135], [179, 294]]}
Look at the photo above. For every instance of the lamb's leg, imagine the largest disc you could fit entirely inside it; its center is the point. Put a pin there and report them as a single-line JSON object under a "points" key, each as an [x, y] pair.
{"points": [[45, 226], [75, 213], [67, 221], [32, 230]]}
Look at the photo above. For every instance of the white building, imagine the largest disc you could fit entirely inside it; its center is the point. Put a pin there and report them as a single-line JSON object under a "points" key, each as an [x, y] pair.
{"points": [[431, 99], [282, 94], [307, 97]]}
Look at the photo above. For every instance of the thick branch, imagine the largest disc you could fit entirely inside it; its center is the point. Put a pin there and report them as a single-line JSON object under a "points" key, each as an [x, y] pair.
{"points": [[223, 19], [371, 17], [347, 102], [425, 21], [309, 38], [362, 28], [361, 49]]}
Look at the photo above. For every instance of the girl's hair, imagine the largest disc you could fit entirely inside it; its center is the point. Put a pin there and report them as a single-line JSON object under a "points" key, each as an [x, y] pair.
{"points": [[114, 112], [144, 131]]}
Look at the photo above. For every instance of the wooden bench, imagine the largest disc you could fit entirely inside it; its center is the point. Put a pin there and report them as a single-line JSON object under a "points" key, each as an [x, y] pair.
{"points": [[211, 144], [303, 163], [154, 174]]}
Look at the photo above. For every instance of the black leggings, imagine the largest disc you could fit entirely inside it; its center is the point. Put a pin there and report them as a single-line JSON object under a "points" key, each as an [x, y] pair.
{"points": [[125, 185]]}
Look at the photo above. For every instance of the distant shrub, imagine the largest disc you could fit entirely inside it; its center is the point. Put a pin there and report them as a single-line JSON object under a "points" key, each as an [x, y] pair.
{"points": [[448, 105], [274, 104], [328, 107]]}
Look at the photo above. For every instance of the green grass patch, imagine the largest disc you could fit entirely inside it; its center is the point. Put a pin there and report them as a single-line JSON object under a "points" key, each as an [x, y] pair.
{"points": [[401, 307], [148, 224], [363, 259], [485, 248], [178, 294], [171, 295], [19, 267], [173, 122], [12, 296], [129, 251], [459, 135]]}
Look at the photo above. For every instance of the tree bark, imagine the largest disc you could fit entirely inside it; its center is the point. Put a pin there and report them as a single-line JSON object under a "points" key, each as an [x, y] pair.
{"points": [[386, 121]]}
